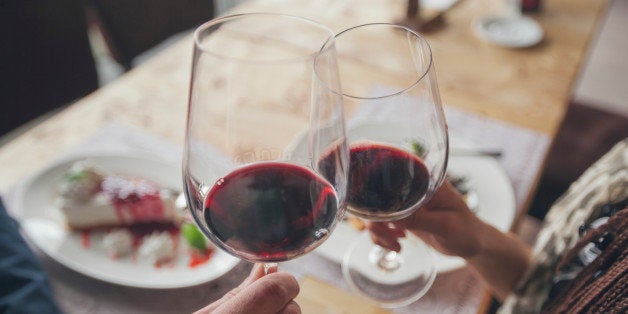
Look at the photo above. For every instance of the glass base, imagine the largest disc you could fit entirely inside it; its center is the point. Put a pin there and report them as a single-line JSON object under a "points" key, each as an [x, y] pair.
{"points": [[389, 278]]}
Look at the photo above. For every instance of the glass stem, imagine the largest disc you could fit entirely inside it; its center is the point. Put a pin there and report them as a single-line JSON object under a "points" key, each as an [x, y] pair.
{"points": [[270, 268], [385, 259]]}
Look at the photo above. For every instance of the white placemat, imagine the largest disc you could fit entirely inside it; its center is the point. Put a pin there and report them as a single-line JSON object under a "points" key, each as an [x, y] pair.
{"points": [[523, 150]]}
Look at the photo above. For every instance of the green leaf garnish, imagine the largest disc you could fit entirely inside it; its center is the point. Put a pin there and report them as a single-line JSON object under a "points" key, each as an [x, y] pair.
{"points": [[418, 149], [193, 236], [75, 176]]}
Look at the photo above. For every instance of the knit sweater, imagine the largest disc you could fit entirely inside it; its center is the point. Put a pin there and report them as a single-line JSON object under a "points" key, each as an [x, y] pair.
{"points": [[569, 271]]}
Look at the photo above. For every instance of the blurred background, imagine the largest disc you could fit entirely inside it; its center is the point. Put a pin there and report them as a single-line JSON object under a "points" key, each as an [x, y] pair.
{"points": [[92, 44]]}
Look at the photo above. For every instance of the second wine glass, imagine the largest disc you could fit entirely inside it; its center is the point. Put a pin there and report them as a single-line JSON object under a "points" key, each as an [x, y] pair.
{"points": [[253, 92], [398, 143]]}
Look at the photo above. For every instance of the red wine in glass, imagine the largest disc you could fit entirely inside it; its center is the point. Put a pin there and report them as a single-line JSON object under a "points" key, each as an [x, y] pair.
{"points": [[271, 211], [383, 179]]}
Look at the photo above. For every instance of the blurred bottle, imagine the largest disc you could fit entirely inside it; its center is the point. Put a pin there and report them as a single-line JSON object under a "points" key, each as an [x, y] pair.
{"points": [[530, 6]]}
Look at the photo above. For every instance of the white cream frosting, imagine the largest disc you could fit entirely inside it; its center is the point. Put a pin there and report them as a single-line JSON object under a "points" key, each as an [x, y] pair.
{"points": [[158, 247], [118, 243]]}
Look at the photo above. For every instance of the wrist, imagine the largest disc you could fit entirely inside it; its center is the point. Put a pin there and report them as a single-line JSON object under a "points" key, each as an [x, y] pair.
{"points": [[501, 260], [486, 238]]}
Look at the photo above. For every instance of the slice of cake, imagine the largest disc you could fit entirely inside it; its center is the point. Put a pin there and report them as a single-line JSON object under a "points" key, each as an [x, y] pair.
{"points": [[90, 199]]}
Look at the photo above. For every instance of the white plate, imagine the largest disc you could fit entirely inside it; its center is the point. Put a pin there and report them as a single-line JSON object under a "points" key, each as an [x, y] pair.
{"points": [[513, 32], [43, 224], [438, 5], [484, 175]]}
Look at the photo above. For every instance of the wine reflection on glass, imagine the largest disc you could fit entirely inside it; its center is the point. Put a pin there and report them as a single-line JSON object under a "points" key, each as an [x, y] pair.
{"points": [[398, 143], [253, 90]]}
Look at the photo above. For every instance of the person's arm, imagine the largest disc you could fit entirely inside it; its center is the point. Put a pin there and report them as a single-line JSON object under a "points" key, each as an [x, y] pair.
{"points": [[259, 293], [502, 260], [24, 285], [449, 226]]}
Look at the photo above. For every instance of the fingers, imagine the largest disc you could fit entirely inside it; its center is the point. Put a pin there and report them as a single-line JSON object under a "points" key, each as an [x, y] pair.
{"points": [[291, 308], [269, 294], [447, 197], [446, 207], [213, 307], [256, 273], [271, 269], [386, 235]]}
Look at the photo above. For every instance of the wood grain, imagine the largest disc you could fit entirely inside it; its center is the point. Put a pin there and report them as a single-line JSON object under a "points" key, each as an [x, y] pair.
{"points": [[526, 87], [319, 297]]}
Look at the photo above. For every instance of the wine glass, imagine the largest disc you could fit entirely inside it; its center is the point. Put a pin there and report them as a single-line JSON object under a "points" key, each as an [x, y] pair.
{"points": [[398, 144], [254, 92]]}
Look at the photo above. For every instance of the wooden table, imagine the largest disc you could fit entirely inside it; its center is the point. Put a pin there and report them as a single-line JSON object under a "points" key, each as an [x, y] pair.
{"points": [[530, 88], [527, 87]]}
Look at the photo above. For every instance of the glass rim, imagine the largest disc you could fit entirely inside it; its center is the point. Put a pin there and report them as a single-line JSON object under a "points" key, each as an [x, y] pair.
{"points": [[405, 89], [310, 56]]}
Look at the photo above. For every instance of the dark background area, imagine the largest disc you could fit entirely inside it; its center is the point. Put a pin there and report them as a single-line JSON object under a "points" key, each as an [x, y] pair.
{"points": [[585, 135]]}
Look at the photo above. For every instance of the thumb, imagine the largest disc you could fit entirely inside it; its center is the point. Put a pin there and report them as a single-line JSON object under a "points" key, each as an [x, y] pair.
{"points": [[256, 273]]}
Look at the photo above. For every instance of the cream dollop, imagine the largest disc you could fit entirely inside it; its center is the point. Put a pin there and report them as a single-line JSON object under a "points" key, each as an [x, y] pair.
{"points": [[118, 243], [158, 247]]}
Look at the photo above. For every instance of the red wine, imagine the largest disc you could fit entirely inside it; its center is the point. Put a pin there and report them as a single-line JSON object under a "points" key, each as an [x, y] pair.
{"points": [[270, 211], [383, 179]]}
